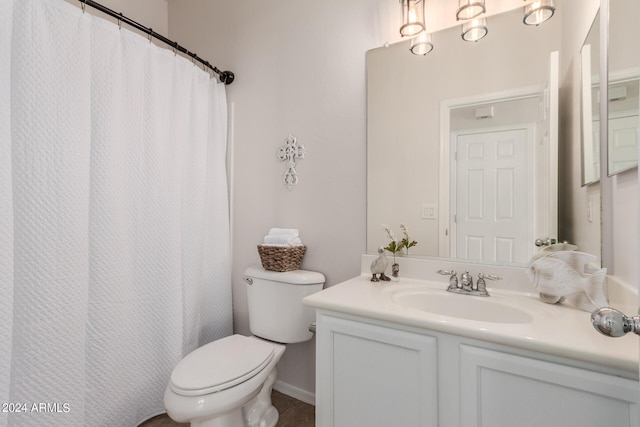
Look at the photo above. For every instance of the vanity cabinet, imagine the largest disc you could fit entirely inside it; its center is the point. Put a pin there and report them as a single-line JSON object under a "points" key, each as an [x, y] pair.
{"points": [[373, 373], [368, 375], [499, 389]]}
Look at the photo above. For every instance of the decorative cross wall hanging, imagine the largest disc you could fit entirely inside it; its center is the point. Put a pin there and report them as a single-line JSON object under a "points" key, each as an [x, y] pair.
{"points": [[290, 152]]}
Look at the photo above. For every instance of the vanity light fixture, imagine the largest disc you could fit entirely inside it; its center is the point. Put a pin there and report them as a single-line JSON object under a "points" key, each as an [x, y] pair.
{"points": [[537, 12], [474, 30], [422, 44], [412, 17], [469, 9]]}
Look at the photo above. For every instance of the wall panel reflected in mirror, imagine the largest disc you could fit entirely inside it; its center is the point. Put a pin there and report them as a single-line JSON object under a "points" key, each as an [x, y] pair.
{"points": [[481, 82], [624, 74]]}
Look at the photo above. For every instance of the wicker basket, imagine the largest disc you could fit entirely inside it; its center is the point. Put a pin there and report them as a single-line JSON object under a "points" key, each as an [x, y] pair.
{"points": [[281, 258]]}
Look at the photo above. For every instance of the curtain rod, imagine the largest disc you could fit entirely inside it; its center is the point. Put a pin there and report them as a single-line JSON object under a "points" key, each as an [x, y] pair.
{"points": [[225, 77]]}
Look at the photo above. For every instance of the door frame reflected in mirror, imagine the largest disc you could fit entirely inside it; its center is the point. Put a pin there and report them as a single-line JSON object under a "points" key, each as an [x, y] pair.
{"points": [[545, 153]]}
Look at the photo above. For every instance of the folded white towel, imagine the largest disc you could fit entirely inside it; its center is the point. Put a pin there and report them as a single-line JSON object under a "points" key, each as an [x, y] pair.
{"points": [[286, 231], [282, 239]]}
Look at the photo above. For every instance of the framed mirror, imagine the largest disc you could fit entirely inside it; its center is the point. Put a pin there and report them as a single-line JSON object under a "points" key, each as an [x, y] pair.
{"points": [[590, 104], [471, 88], [623, 90]]}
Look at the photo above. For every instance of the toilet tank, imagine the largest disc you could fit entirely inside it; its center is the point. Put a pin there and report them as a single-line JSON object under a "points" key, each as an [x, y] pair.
{"points": [[276, 311]]}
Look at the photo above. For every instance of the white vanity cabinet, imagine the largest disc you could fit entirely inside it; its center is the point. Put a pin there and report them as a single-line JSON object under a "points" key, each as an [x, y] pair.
{"points": [[499, 389], [379, 374], [368, 375]]}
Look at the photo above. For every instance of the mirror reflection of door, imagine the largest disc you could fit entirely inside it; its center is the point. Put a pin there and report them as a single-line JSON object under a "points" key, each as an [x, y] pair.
{"points": [[534, 109], [493, 215]]}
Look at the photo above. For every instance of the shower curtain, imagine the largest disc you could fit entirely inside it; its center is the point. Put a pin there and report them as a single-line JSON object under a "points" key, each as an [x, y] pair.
{"points": [[114, 227]]}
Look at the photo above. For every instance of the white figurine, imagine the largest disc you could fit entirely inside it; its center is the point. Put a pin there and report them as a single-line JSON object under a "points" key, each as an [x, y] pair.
{"points": [[378, 266]]}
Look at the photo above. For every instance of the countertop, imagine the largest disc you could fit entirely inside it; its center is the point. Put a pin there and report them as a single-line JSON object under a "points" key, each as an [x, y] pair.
{"points": [[558, 330]]}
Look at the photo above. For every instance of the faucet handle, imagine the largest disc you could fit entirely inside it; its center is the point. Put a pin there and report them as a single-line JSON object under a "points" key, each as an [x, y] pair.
{"points": [[453, 278], [489, 276], [481, 286], [447, 272]]}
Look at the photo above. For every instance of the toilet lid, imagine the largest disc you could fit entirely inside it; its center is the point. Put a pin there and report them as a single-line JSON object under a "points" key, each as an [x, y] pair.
{"points": [[220, 364]]}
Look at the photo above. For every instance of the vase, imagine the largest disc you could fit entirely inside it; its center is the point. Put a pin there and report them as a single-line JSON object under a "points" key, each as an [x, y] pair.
{"points": [[395, 272]]}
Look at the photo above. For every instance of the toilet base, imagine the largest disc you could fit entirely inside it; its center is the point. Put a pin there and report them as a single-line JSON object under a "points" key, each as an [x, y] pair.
{"points": [[258, 412], [232, 419]]}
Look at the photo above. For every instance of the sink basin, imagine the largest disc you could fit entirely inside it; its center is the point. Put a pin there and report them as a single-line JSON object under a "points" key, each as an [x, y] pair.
{"points": [[462, 306]]}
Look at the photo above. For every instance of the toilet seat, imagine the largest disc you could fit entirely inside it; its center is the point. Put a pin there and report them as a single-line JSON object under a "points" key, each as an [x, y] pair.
{"points": [[220, 365]]}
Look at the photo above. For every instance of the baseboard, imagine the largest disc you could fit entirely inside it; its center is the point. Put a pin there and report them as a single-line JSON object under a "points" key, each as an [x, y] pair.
{"points": [[295, 392]]}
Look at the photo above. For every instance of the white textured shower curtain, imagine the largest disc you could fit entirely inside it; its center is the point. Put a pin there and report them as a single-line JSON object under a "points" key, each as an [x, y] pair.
{"points": [[114, 230]]}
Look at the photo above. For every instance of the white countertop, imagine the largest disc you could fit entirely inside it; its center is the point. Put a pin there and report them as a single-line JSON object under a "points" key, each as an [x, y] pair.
{"points": [[558, 330]]}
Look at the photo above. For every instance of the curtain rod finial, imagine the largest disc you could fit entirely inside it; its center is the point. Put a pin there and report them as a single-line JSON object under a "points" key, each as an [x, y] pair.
{"points": [[227, 77]]}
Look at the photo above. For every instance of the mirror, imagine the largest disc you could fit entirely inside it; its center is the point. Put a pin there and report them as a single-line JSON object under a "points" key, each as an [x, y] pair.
{"points": [[623, 90], [590, 103], [623, 94], [418, 106]]}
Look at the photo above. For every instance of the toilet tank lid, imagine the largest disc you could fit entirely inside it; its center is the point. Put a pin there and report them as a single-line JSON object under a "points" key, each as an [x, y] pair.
{"points": [[294, 277]]}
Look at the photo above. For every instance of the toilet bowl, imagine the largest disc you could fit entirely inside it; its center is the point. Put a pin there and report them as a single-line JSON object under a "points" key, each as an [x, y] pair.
{"points": [[228, 382]]}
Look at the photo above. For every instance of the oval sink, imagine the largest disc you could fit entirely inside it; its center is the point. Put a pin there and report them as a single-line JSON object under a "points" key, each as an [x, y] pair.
{"points": [[462, 306]]}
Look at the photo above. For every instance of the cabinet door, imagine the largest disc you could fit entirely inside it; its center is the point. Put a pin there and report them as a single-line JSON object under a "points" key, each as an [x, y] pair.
{"points": [[503, 390], [369, 375]]}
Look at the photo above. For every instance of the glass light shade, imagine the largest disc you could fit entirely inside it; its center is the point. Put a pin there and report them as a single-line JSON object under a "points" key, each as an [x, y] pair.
{"points": [[412, 17], [474, 30], [422, 44], [469, 9], [539, 11]]}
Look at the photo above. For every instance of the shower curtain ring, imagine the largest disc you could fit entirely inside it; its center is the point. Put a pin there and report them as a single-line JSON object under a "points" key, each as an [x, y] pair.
{"points": [[149, 34], [84, 4]]}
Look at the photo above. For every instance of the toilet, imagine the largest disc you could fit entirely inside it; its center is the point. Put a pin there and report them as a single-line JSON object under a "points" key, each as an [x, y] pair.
{"points": [[227, 383]]}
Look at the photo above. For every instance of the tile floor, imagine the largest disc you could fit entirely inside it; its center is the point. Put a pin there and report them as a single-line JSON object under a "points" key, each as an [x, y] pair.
{"points": [[293, 413]]}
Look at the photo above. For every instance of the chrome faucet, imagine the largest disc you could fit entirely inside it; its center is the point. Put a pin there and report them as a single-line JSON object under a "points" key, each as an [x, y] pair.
{"points": [[465, 284]]}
